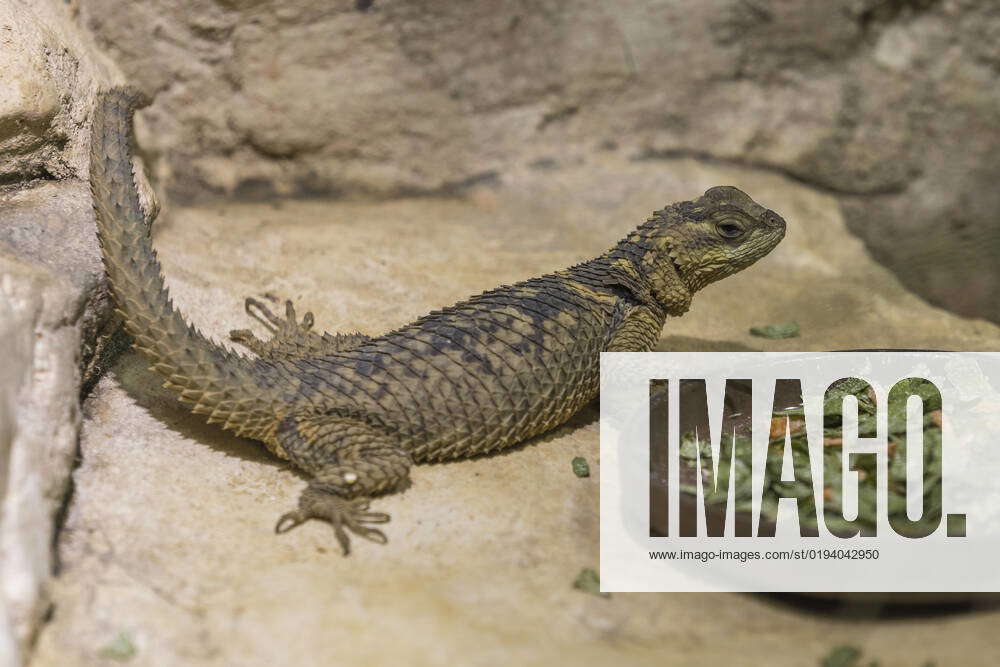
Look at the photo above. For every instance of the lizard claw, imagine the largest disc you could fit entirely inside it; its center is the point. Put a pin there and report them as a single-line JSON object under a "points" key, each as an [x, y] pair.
{"points": [[292, 322], [288, 335], [263, 314], [342, 513], [290, 325], [244, 336], [296, 517]]}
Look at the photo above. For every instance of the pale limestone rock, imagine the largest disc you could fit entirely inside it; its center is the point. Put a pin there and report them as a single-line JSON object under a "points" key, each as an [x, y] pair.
{"points": [[29, 97], [49, 72], [169, 540], [39, 418], [50, 303], [891, 105], [170, 536], [49, 269]]}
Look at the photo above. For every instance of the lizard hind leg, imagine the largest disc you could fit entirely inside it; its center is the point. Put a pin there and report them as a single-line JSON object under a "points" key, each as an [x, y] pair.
{"points": [[351, 462], [290, 337], [283, 331]]}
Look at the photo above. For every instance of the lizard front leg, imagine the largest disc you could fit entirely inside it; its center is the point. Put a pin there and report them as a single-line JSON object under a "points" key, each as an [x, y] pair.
{"points": [[351, 462], [290, 339], [638, 331]]}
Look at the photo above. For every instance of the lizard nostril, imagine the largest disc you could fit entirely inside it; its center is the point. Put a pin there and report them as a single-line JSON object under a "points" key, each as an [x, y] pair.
{"points": [[772, 219]]}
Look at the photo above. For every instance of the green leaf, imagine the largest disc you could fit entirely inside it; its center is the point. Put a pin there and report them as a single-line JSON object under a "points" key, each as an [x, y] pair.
{"points": [[842, 656], [589, 581], [120, 648], [782, 330]]}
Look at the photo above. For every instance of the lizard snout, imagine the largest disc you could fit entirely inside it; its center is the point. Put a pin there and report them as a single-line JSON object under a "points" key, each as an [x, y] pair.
{"points": [[773, 220]]}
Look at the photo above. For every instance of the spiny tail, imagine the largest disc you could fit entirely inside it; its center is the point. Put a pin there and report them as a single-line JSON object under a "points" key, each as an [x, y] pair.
{"points": [[210, 378]]}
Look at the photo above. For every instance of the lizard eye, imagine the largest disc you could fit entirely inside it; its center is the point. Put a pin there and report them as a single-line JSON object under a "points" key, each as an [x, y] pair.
{"points": [[729, 229]]}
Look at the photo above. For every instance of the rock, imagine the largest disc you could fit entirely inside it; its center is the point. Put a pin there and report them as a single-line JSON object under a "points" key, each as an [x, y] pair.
{"points": [[39, 418], [50, 71], [51, 226], [169, 540], [556, 119], [29, 101], [51, 304], [890, 105]]}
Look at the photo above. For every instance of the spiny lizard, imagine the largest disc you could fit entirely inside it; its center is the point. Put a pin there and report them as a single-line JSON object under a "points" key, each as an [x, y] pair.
{"points": [[355, 412]]}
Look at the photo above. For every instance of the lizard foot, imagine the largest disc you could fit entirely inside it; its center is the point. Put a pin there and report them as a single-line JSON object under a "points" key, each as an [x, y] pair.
{"points": [[342, 513], [287, 329]]}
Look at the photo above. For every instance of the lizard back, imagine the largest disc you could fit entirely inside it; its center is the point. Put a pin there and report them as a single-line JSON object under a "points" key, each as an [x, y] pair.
{"points": [[483, 374]]}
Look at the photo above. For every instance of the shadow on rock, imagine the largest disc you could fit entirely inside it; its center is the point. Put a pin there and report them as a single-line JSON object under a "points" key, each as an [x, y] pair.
{"points": [[862, 607], [690, 344], [146, 389]]}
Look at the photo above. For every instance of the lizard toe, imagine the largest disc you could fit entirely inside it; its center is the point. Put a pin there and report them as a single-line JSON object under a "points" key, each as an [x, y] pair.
{"points": [[292, 519], [344, 514], [243, 336], [258, 310]]}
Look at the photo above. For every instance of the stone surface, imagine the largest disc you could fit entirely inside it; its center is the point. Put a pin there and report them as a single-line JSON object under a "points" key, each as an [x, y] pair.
{"points": [[39, 418], [52, 307], [169, 549], [49, 72], [556, 119], [892, 105], [50, 301], [51, 225]]}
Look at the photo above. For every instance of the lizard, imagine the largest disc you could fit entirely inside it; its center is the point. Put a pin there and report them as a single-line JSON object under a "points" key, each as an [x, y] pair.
{"points": [[355, 412]]}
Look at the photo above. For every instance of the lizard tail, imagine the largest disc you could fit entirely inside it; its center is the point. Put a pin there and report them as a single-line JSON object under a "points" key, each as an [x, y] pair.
{"points": [[210, 378]]}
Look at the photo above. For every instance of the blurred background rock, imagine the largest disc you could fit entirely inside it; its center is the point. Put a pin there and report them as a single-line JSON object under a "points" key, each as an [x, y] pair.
{"points": [[348, 154], [891, 105]]}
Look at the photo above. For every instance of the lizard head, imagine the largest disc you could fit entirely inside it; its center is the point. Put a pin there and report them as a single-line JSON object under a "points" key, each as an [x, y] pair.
{"points": [[720, 233], [690, 244]]}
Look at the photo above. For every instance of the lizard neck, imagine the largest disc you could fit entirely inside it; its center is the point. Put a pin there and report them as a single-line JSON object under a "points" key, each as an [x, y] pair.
{"points": [[651, 268]]}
